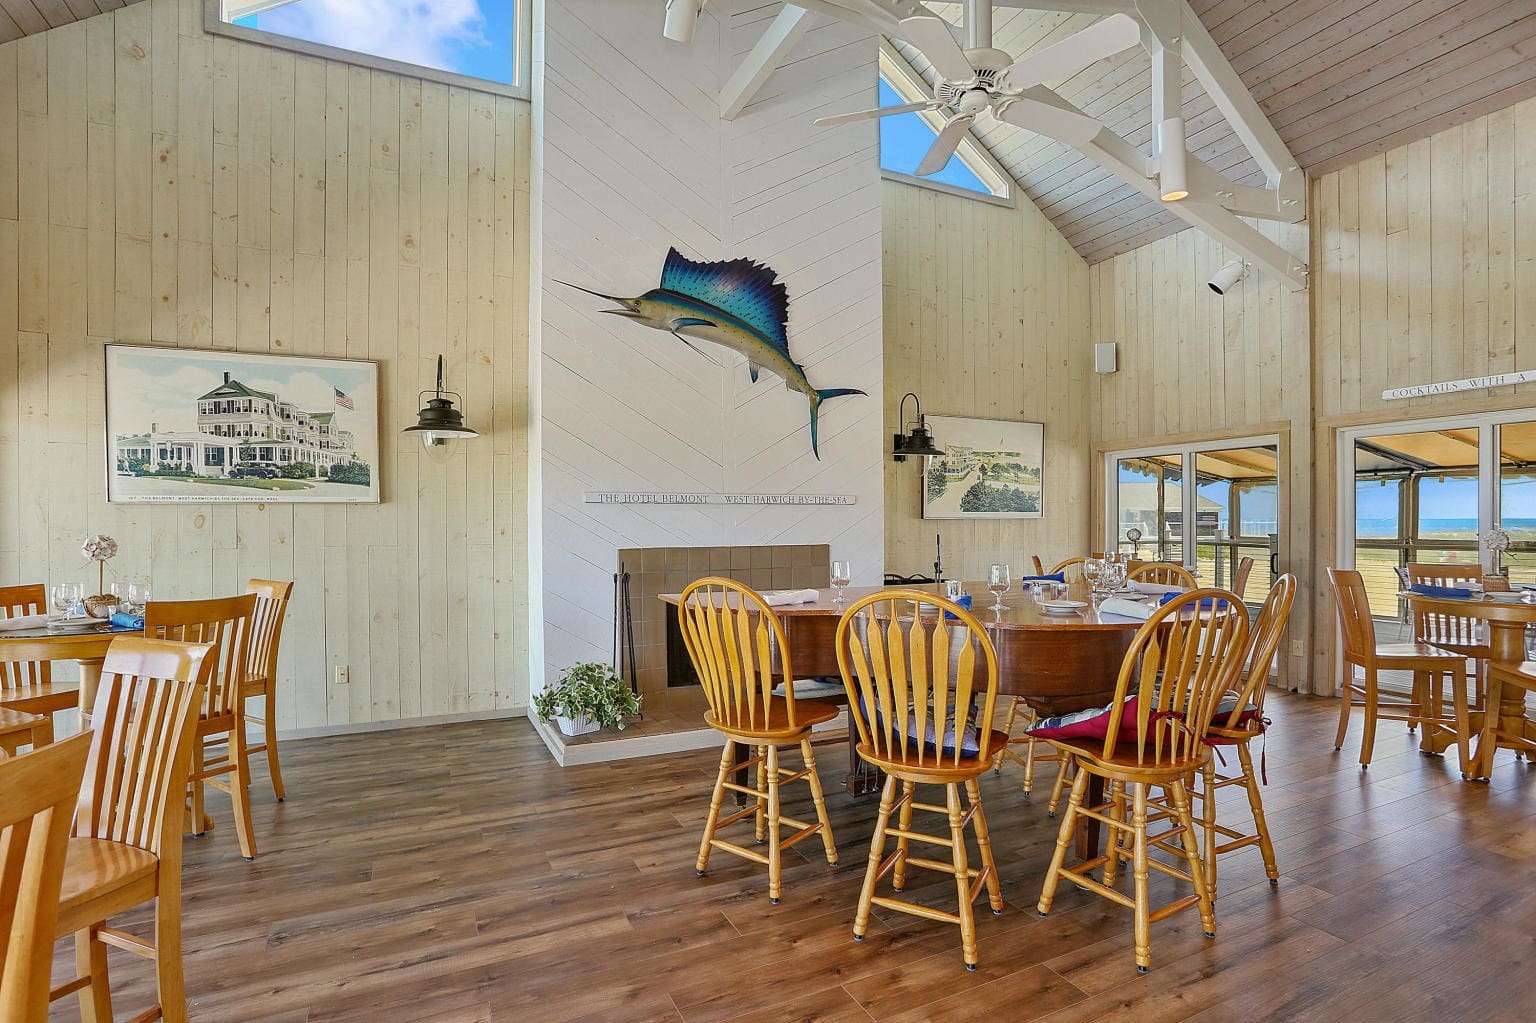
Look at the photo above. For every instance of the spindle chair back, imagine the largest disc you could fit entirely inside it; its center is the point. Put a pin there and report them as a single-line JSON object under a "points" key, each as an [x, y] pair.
{"points": [[1160, 573], [261, 670], [26, 677]]}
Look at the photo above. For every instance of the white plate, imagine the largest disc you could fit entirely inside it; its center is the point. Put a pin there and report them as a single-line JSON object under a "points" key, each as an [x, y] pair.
{"points": [[1062, 607], [74, 624]]}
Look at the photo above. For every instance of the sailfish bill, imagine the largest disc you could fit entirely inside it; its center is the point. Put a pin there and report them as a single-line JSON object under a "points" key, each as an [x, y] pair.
{"points": [[738, 304]]}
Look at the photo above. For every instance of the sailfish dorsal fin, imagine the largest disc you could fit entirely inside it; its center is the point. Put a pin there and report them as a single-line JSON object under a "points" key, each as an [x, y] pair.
{"points": [[748, 291]]}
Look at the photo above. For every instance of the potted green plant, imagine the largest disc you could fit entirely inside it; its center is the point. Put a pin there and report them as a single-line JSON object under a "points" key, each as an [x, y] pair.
{"points": [[588, 696]]}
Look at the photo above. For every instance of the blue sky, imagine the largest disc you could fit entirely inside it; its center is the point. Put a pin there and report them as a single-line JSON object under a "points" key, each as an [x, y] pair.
{"points": [[471, 37], [904, 140]]}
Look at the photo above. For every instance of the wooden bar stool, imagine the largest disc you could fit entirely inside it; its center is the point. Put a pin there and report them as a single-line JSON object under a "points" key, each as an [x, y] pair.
{"points": [[26, 682], [261, 671], [1035, 753], [1429, 664], [1235, 729], [224, 622], [37, 801], [915, 678], [1177, 668], [126, 847], [1160, 573], [735, 641]]}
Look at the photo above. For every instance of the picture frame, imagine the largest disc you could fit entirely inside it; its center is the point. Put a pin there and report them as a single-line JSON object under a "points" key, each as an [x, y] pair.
{"points": [[990, 469], [199, 426]]}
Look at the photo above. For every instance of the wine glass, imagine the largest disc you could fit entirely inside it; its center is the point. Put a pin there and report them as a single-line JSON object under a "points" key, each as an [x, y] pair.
{"points": [[66, 596], [998, 582], [138, 596], [1114, 574], [842, 575], [1093, 571]]}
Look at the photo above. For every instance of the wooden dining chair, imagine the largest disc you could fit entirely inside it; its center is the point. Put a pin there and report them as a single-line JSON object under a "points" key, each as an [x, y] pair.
{"points": [[1160, 573], [18, 729], [224, 622], [1039, 565], [125, 850], [1179, 664], [1240, 577], [1458, 633], [37, 801], [26, 680], [261, 671], [1520, 678], [1234, 729], [1429, 665], [736, 643], [922, 687]]}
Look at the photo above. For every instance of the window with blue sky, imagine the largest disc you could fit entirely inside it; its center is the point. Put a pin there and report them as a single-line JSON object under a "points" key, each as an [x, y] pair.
{"points": [[905, 138], [473, 38]]}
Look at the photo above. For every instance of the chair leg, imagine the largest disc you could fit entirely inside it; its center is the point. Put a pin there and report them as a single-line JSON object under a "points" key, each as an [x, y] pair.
{"points": [[168, 975], [962, 875], [1346, 701], [240, 790], [1368, 736], [1013, 714], [1064, 768], [876, 851], [1143, 911], [903, 844], [775, 850], [1029, 766], [1192, 857], [1256, 804], [199, 790], [91, 963], [1460, 708], [1206, 794], [269, 726], [716, 796], [817, 797], [1063, 839], [760, 822], [1488, 742], [1114, 840], [984, 842]]}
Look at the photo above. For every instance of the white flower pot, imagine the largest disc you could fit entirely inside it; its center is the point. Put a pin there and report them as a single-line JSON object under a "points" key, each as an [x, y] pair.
{"points": [[580, 725]]}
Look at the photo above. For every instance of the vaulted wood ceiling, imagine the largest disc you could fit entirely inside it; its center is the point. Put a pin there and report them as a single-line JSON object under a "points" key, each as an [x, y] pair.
{"points": [[1339, 79], [26, 17]]}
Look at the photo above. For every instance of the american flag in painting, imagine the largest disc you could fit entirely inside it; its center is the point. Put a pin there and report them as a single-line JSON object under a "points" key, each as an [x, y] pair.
{"points": [[342, 399]]}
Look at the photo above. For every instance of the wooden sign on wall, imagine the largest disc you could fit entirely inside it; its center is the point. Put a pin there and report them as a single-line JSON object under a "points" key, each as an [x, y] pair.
{"points": [[630, 497], [1523, 376]]}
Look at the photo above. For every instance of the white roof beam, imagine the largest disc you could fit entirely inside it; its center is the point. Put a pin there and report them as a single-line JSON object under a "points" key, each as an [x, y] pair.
{"points": [[764, 59]]}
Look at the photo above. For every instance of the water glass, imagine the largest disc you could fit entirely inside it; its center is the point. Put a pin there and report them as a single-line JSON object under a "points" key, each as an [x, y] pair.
{"points": [[998, 582], [954, 589], [1047, 590], [842, 575], [1113, 575], [138, 596], [1093, 571], [66, 598]]}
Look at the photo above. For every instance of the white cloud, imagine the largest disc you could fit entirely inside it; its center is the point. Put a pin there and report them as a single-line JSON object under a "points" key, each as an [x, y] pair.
{"points": [[415, 31]]}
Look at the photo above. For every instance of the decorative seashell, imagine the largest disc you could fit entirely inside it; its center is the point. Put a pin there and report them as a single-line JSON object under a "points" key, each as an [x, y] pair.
{"points": [[99, 548]]}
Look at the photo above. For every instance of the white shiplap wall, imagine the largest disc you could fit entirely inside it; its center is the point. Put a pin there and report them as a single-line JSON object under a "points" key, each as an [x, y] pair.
{"points": [[635, 158]]}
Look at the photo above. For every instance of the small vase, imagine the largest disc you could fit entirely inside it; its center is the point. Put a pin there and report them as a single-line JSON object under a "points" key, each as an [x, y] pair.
{"points": [[579, 725]]}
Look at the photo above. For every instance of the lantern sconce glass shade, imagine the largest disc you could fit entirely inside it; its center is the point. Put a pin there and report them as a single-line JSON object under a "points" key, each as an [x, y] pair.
{"points": [[439, 425]]}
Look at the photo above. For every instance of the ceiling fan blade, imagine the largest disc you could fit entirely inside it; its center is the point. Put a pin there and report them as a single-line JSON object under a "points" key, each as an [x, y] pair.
{"points": [[866, 115], [945, 145], [1115, 34], [931, 34], [1066, 126]]}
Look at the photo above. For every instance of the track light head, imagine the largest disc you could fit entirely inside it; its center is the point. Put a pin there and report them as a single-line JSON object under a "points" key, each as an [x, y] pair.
{"points": [[1228, 277], [682, 17], [1172, 165]]}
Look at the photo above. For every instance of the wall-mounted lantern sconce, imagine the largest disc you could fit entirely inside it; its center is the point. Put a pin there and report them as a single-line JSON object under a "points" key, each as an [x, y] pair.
{"points": [[919, 441], [439, 425]]}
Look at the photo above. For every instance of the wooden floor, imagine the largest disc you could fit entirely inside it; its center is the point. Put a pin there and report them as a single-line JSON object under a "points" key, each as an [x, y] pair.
{"points": [[454, 874]]}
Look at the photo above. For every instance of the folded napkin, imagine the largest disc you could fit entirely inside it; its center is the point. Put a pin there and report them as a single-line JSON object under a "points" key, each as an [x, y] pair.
{"points": [[810, 688], [778, 598], [23, 622], [1426, 590], [1126, 608], [1207, 603], [1059, 577], [964, 601], [127, 621], [1154, 589]]}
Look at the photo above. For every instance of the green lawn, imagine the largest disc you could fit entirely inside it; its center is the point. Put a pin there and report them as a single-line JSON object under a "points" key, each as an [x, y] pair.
{"points": [[249, 484]]}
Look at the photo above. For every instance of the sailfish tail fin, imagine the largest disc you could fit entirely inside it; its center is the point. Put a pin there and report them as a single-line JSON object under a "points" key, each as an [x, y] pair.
{"points": [[821, 396]]}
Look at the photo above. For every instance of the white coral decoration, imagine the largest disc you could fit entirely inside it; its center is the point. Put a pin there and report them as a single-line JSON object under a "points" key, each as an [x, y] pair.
{"points": [[1496, 540], [99, 548]]}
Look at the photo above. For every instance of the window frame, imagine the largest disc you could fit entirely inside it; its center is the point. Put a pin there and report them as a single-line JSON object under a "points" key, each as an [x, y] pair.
{"points": [[522, 52], [907, 84]]}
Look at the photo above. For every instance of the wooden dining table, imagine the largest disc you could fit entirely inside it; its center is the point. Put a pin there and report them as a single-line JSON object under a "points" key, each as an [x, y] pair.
{"points": [[86, 647], [1506, 620], [1057, 663]]}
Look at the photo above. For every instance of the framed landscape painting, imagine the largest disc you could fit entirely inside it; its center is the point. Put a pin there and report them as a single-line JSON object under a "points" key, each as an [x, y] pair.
{"points": [[189, 426], [990, 469]]}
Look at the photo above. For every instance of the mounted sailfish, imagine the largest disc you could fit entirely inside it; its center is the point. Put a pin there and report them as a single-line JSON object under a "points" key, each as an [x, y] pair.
{"points": [[739, 304]]}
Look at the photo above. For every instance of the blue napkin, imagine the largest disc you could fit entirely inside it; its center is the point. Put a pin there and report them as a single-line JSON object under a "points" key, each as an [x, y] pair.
{"points": [[1059, 577], [1207, 603], [127, 621], [964, 601], [1426, 590]]}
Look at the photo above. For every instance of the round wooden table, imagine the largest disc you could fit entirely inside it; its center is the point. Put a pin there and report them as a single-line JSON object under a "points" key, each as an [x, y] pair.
{"points": [[87, 648], [1506, 620]]}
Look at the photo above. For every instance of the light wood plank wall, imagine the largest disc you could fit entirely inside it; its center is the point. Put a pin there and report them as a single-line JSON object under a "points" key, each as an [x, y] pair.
{"points": [[986, 315], [160, 185], [1424, 270], [1194, 366]]}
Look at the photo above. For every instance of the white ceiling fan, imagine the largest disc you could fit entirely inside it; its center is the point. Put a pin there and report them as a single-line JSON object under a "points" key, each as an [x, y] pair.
{"points": [[981, 79]]}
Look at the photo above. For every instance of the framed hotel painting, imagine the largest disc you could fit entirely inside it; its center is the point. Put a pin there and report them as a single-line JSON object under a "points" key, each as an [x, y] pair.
{"points": [[990, 469], [190, 426]]}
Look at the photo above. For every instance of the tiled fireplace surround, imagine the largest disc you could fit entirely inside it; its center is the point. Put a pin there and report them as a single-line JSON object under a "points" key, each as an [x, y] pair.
{"points": [[657, 570]]}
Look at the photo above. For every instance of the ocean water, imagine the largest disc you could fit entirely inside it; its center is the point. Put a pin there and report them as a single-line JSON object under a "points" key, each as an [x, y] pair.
{"points": [[1518, 529]]}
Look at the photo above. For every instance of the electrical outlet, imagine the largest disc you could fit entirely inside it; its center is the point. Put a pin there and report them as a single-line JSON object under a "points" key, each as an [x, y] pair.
{"points": [[341, 675], [1298, 648]]}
